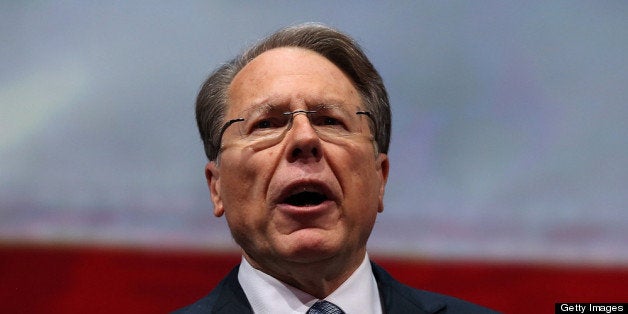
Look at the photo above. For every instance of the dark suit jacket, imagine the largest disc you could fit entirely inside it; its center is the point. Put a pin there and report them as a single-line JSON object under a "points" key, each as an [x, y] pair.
{"points": [[228, 297]]}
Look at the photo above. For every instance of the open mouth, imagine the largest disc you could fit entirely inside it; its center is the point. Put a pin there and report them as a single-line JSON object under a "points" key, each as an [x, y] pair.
{"points": [[305, 198]]}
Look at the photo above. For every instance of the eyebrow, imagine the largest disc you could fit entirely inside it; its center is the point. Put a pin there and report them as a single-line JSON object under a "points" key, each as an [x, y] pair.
{"points": [[281, 106], [265, 107]]}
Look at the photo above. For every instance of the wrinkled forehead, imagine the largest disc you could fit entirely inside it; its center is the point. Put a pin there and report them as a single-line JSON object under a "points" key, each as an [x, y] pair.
{"points": [[293, 78]]}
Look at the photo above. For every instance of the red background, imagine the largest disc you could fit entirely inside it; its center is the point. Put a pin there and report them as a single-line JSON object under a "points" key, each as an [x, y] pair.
{"points": [[52, 279]]}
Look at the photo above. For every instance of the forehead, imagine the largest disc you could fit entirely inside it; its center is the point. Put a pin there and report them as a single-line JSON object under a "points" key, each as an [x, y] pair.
{"points": [[291, 77]]}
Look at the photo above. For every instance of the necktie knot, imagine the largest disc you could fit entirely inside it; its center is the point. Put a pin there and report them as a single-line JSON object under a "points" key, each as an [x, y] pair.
{"points": [[324, 307]]}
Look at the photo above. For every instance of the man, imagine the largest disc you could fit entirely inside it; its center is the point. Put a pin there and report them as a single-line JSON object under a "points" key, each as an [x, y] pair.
{"points": [[296, 131]]}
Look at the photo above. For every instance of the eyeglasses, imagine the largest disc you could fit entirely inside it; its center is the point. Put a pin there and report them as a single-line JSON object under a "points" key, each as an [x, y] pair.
{"points": [[266, 126]]}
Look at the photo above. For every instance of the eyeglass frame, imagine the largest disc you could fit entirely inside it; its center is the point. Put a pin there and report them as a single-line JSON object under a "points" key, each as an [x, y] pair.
{"points": [[292, 114]]}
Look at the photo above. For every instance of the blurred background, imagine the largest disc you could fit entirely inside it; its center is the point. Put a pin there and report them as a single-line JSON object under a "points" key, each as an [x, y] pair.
{"points": [[509, 155]]}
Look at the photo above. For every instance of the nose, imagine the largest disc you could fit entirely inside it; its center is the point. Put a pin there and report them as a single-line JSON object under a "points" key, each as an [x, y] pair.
{"points": [[303, 143]]}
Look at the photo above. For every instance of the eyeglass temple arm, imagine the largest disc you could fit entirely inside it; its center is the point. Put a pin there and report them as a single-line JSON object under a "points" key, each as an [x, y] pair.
{"points": [[370, 115], [230, 122], [366, 113]]}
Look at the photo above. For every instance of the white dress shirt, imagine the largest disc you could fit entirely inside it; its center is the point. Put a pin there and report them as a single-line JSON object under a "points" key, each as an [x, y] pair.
{"points": [[358, 294]]}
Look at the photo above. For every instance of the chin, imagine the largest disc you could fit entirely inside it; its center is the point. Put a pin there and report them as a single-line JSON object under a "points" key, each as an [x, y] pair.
{"points": [[310, 256], [310, 247]]}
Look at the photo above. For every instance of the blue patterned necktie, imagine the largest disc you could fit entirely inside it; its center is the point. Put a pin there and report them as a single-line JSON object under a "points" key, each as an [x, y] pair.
{"points": [[324, 307]]}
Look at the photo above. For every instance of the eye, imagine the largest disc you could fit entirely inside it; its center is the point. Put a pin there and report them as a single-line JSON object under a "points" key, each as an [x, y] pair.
{"points": [[266, 124], [330, 117], [330, 121]]}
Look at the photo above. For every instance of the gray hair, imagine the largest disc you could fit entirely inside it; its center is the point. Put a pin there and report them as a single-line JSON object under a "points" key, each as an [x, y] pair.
{"points": [[340, 49]]}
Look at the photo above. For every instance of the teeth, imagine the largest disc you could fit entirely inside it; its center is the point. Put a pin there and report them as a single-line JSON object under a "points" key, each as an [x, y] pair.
{"points": [[309, 189], [306, 189]]}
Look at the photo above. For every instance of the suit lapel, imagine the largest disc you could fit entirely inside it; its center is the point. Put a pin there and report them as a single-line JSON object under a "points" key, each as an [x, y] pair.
{"points": [[398, 298], [231, 297], [395, 297]]}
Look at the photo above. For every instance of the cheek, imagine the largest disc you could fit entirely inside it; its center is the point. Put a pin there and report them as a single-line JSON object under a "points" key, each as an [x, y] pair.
{"points": [[240, 197], [244, 182], [362, 163], [356, 171]]}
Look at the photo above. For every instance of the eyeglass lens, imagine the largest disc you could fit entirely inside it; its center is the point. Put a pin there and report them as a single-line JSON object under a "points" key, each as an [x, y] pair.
{"points": [[267, 125]]}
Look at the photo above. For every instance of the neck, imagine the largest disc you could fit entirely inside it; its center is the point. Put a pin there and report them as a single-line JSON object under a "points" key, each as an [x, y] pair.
{"points": [[319, 278]]}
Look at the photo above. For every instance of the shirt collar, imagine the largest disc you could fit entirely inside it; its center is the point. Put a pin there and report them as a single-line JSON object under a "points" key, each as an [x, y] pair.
{"points": [[358, 294]]}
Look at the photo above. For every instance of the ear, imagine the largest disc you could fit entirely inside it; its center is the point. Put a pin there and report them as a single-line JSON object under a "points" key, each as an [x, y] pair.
{"points": [[212, 174], [382, 169]]}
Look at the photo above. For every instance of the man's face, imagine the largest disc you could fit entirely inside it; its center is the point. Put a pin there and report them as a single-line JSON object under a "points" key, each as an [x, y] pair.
{"points": [[303, 199]]}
